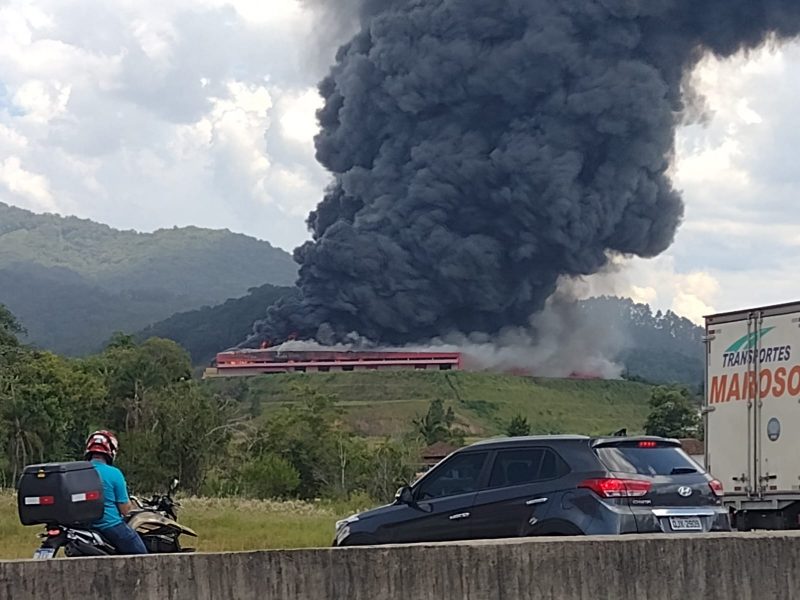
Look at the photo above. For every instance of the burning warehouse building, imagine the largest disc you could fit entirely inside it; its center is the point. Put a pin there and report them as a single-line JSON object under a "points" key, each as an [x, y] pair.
{"points": [[238, 363], [250, 362]]}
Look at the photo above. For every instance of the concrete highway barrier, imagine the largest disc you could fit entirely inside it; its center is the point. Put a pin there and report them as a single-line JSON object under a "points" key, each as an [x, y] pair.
{"points": [[741, 566]]}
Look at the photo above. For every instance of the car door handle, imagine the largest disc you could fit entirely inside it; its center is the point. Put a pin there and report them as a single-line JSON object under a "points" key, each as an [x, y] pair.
{"points": [[459, 516], [536, 501]]}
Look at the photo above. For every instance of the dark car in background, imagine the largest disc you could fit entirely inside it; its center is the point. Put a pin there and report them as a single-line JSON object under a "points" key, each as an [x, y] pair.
{"points": [[548, 485]]}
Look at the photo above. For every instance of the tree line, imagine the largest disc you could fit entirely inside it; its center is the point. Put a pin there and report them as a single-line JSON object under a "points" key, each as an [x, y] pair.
{"points": [[170, 425]]}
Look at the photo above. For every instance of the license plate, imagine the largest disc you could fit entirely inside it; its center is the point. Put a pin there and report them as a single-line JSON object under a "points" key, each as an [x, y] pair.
{"points": [[685, 524], [44, 553]]}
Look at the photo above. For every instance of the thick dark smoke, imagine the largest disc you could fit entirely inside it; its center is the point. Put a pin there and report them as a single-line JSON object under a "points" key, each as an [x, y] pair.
{"points": [[481, 150]]}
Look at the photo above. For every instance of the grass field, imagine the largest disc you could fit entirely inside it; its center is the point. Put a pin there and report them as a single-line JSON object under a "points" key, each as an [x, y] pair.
{"points": [[380, 404], [384, 403], [222, 524]]}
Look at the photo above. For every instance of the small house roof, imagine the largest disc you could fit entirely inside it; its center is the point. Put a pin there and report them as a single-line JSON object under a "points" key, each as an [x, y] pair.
{"points": [[438, 451], [692, 446]]}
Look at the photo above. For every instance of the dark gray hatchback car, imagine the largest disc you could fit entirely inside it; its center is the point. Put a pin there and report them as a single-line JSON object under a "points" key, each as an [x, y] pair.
{"points": [[549, 485]]}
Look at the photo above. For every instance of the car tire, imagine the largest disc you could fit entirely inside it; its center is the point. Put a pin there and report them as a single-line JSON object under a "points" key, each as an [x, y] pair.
{"points": [[555, 529], [359, 539]]}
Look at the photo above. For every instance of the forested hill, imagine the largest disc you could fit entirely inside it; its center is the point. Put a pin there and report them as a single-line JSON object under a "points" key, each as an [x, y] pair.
{"points": [[73, 282], [657, 347], [208, 330]]}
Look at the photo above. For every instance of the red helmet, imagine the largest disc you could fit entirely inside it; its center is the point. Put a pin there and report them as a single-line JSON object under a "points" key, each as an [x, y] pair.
{"points": [[102, 442]]}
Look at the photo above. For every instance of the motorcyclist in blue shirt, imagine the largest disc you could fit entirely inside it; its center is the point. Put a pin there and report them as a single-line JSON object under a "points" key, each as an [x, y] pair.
{"points": [[101, 450]]}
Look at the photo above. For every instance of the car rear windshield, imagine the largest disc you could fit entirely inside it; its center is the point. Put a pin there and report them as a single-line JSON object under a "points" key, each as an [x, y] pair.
{"points": [[662, 460]]}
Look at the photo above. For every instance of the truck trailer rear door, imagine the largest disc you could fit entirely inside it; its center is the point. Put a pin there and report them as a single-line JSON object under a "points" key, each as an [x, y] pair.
{"points": [[778, 403], [730, 424]]}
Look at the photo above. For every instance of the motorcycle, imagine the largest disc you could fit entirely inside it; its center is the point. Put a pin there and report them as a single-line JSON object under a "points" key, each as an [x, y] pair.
{"points": [[155, 520]]}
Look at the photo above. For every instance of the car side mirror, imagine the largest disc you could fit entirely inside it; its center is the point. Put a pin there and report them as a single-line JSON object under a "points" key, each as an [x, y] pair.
{"points": [[404, 495]]}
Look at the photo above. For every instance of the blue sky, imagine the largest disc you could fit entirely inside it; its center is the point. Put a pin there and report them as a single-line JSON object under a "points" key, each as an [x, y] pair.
{"points": [[202, 112]]}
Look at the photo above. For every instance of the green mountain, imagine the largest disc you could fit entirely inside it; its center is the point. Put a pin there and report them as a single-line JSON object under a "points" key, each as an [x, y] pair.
{"points": [[206, 331], [73, 282], [660, 347]]}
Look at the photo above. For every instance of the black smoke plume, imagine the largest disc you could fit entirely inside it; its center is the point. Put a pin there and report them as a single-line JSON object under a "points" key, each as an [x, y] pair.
{"points": [[482, 149]]}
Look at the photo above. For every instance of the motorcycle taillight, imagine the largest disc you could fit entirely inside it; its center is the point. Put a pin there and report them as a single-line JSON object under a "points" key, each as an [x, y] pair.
{"points": [[53, 532]]}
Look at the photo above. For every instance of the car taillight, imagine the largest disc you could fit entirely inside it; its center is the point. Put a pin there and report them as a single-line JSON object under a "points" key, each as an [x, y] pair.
{"points": [[716, 487], [648, 444], [617, 488]]}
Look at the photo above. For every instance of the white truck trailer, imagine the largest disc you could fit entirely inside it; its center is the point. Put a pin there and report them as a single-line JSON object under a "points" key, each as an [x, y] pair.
{"points": [[752, 413]]}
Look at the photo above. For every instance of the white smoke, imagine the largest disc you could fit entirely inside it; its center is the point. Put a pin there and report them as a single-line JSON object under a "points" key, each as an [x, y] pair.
{"points": [[315, 346], [561, 341]]}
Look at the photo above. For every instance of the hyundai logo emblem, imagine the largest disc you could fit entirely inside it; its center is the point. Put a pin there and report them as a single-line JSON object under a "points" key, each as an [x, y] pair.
{"points": [[685, 491]]}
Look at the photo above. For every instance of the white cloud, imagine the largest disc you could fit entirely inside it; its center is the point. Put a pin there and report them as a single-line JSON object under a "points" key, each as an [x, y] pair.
{"points": [[298, 121], [656, 282], [693, 294], [739, 179], [156, 39], [19, 20], [161, 113], [236, 125], [737, 159], [11, 140], [712, 164], [31, 187], [42, 101], [259, 11]]}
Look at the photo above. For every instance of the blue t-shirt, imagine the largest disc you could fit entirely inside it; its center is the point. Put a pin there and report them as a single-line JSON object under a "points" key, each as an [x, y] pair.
{"points": [[115, 491]]}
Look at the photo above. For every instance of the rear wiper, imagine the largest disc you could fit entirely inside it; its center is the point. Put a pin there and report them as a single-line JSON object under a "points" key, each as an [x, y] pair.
{"points": [[683, 471]]}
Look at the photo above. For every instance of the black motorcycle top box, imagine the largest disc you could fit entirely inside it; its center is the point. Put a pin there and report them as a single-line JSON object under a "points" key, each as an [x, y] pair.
{"points": [[69, 493]]}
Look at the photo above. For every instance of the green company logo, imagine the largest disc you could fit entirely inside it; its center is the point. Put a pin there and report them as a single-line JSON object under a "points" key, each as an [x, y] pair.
{"points": [[748, 341]]}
